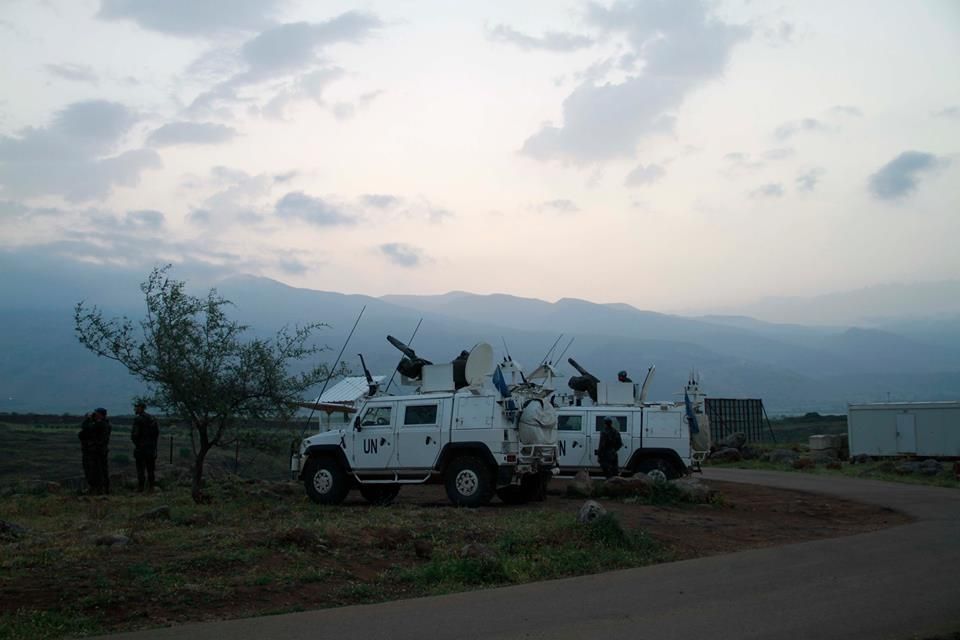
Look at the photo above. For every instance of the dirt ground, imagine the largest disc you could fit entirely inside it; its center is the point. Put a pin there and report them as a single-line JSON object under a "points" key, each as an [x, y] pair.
{"points": [[266, 565], [752, 516]]}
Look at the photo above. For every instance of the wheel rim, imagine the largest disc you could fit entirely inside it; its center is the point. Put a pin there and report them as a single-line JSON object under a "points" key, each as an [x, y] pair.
{"points": [[657, 475], [467, 482], [323, 481]]}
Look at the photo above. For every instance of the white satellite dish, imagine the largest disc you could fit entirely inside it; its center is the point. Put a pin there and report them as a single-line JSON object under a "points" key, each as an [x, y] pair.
{"points": [[479, 364]]}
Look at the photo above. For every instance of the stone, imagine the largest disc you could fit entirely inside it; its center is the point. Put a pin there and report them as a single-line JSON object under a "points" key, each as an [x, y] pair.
{"points": [[159, 513], [590, 511], [727, 454], [581, 486], [479, 551], [824, 456], [804, 463], [930, 467], [619, 487], [733, 441], [834, 465], [693, 490], [906, 467], [112, 541], [749, 453]]}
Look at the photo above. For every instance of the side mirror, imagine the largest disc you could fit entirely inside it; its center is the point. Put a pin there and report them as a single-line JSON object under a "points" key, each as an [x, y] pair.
{"points": [[356, 423]]}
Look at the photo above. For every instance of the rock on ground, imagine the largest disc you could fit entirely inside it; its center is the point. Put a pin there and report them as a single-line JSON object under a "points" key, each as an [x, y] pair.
{"points": [[590, 511], [727, 454], [618, 487], [160, 513], [581, 486], [733, 441], [694, 491]]}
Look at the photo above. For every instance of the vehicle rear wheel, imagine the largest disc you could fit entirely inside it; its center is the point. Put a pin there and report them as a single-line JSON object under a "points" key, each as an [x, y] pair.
{"points": [[657, 469], [325, 481], [469, 482], [379, 494]]}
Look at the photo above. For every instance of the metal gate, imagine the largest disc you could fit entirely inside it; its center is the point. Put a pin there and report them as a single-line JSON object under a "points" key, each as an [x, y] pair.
{"points": [[744, 415]]}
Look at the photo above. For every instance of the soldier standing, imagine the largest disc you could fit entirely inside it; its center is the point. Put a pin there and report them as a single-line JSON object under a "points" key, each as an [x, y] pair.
{"points": [[610, 444], [95, 445], [145, 435]]}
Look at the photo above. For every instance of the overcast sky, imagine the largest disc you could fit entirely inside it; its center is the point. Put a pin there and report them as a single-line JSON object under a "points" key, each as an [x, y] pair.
{"points": [[672, 155]]}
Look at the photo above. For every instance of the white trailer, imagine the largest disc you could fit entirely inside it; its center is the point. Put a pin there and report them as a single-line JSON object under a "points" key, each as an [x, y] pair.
{"points": [[930, 429]]}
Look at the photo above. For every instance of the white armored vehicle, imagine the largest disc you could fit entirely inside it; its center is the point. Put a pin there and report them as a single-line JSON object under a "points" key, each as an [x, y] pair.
{"points": [[656, 436], [464, 428]]}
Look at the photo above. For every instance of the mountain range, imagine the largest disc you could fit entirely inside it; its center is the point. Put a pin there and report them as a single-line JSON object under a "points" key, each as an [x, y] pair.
{"points": [[792, 367]]}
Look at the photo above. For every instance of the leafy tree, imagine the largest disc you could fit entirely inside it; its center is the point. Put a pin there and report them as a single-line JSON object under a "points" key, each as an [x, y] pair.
{"points": [[196, 364]]}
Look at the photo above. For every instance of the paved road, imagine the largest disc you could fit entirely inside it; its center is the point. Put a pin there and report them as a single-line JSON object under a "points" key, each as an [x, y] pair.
{"points": [[899, 583]]}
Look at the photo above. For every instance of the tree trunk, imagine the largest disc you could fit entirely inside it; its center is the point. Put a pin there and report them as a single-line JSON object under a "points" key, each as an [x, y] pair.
{"points": [[196, 490]]}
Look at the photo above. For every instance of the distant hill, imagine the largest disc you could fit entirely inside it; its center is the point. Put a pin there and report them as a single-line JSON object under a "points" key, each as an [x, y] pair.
{"points": [[794, 368], [876, 306]]}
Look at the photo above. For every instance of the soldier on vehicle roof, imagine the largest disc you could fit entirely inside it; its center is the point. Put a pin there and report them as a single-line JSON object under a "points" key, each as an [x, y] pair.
{"points": [[622, 377], [145, 435]]}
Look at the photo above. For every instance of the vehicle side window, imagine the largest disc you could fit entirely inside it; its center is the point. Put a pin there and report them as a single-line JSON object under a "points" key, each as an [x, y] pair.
{"points": [[621, 420], [420, 414], [376, 416], [569, 423]]}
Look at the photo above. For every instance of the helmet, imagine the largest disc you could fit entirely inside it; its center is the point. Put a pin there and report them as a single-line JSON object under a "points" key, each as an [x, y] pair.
{"points": [[622, 374], [609, 419]]}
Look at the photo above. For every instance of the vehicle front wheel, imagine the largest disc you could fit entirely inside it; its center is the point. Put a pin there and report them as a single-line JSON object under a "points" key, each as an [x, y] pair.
{"points": [[325, 481], [468, 482], [379, 494]]}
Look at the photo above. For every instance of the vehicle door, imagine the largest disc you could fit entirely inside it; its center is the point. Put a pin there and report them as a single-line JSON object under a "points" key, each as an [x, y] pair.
{"points": [[571, 440], [623, 419], [374, 445], [419, 434]]}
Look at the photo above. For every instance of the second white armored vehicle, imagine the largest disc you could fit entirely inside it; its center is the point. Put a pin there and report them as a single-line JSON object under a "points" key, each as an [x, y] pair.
{"points": [[656, 436], [464, 428]]}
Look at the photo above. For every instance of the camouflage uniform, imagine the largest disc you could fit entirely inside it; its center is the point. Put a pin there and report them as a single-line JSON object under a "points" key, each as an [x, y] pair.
{"points": [[610, 443], [145, 435]]}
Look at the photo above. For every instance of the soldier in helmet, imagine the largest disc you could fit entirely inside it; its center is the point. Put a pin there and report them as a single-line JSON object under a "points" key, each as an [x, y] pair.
{"points": [[610, 444], [145, 434], [623, 377]]}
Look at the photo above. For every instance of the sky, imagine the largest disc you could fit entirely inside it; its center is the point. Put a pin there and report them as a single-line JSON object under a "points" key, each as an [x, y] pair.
{"points": [[668, 154]]}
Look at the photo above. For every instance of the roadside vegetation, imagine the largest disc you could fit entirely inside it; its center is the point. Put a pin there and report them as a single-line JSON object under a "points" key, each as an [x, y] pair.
{"points": [[791, 452]]}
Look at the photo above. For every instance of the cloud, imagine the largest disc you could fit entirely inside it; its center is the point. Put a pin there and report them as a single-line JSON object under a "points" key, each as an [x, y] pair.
{"points": [[771, 190], [952, 113], [644, 175], [846, 110], [681, 46], [780, 153], [899, 177], [298, 205], [805, 125], [401, 254], [550, 41], [72, 72], [808, 181], [742, 160], [380, 200], [144, 220], [71, 157], [174, 133], [558, 206], [288, 56], [193, 18]]}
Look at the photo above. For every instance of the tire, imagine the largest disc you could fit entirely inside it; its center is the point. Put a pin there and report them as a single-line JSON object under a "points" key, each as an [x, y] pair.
{"points": [[469, 482], [658, 469], [379, 494], [513, 494], [325, 481]]}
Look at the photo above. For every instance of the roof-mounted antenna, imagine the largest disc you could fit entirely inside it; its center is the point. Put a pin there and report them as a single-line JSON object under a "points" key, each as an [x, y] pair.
{"points": [[560, 357], [547, 355]]}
